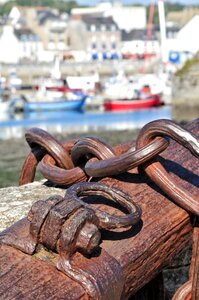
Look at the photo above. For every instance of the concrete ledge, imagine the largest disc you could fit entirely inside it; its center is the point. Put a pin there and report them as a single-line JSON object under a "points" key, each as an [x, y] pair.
{"points": [[16, 201]]}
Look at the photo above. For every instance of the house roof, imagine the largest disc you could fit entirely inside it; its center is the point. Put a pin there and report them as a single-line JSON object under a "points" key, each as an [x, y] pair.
{"points": [[99, 22], [26, 34], [44, 15], [137, 34]]}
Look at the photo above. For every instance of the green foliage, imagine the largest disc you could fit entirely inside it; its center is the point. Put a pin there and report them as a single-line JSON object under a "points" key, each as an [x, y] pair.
{"points": [[5, 8], [187, 66], [63, 6]]}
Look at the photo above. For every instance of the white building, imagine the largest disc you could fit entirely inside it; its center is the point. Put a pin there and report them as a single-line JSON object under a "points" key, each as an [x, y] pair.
{"points": [[186, 39], [9, 46], [126, 18], [136, 43], [22, 44]]}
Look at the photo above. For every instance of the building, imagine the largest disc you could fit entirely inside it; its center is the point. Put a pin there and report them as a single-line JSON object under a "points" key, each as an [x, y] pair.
{"points": [[181, 18], [187, 36], [9, 45], [19, 45], [103, 38], [30, 45], [47, 24], [183, 44], [136, 44], [126, 18]]}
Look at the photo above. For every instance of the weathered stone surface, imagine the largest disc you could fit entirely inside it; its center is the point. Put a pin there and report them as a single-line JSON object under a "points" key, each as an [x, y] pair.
{"points": [[16, 201]]}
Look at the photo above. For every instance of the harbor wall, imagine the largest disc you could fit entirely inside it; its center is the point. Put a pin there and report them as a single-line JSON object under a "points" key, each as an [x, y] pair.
{"points": [[185, 87], [105, 68]]}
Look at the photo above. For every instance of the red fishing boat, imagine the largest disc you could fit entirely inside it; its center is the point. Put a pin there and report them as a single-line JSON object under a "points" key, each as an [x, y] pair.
{"points": [[126, 104]]}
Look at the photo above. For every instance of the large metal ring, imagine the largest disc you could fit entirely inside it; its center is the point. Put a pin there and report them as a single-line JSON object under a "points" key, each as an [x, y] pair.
{"points": [[91, 146], [59, 175], [184, 292], [106, 220], [41, 143], [37, 136], [156, 171], [125, 161]]}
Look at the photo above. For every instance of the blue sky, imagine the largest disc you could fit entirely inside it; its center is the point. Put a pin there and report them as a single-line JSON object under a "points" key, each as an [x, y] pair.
{"points": [[94, 2]]}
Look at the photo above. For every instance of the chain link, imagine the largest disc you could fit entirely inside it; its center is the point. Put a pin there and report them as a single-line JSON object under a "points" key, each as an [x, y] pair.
{"points": [[77, 160]]}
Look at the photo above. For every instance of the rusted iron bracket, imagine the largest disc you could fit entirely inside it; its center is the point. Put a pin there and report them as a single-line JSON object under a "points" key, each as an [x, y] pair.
{"points": [[66, 225]]}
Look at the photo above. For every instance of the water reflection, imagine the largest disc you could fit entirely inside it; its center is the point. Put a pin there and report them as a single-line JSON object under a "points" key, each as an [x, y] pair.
{"points": [[75, 121]]}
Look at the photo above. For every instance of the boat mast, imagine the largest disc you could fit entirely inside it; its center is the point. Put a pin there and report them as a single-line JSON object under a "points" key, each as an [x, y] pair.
{"points": [[162, 23], [148, 32]]}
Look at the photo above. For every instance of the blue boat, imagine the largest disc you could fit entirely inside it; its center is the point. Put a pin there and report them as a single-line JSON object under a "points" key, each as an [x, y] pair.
{"points": [[21, 104]]}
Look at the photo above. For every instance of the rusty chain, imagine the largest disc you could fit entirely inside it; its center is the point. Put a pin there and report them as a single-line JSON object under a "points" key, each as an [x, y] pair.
{"points": [[82, 159]]}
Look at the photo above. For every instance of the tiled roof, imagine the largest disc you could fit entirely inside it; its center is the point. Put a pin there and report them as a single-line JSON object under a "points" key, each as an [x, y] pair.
{"points": [[99, 21]]}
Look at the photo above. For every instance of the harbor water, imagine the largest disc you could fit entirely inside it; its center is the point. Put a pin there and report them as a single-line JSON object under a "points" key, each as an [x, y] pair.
{"points": [[14, 126]]}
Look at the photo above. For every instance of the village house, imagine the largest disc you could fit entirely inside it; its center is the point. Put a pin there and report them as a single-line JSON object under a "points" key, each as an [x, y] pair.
{"points": [[181, 42], [47, 26], [103, 37], [136, 44], [19, 45], [125, 17]]}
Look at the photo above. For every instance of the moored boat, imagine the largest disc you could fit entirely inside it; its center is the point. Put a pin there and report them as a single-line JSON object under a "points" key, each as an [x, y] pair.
{"points": [[126, 104], [22, 104], [77, 104]]}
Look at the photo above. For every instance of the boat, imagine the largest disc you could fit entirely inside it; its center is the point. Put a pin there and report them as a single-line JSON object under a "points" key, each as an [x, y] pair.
{"points": [[133, 104], [4, 106], [77, 104], [22, 104]]}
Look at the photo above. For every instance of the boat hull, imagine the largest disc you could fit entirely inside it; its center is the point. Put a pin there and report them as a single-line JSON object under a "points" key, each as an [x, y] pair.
{"points": [[55, 105], [118, 105]]}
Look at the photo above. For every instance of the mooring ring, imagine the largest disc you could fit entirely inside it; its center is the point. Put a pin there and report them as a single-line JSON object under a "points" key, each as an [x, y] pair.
{"points": [[157, 172], [34, 137], [91, 146], [106, 220], [59, 175], [38, 136]]}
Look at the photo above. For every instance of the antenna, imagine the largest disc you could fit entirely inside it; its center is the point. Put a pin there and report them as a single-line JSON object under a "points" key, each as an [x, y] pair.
{"points": [[162, 22], [149, 30]]}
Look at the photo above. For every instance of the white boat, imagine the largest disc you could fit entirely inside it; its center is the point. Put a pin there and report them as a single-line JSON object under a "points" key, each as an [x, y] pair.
{"points": [[122, 87], [4, 107]]}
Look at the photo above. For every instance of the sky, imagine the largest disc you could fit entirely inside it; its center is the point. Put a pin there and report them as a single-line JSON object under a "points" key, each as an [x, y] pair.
{"points": [[94, 2]]}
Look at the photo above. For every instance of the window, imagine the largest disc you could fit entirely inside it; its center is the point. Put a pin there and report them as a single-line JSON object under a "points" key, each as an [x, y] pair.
{"points": [[93, 45], [113, 27], [103, 27], [93, 28], [113, 45]]}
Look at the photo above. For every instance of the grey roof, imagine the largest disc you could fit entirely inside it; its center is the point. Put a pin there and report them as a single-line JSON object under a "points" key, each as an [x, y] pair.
{"points": [[26, 34], [98, 22], [137, 34], [44, 15]]}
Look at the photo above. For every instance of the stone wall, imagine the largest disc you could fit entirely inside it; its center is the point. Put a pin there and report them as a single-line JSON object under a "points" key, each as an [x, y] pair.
{"points": [[185, 87]]}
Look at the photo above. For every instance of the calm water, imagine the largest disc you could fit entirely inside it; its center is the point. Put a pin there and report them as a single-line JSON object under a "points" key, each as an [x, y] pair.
{"points": [[74, 121]]}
